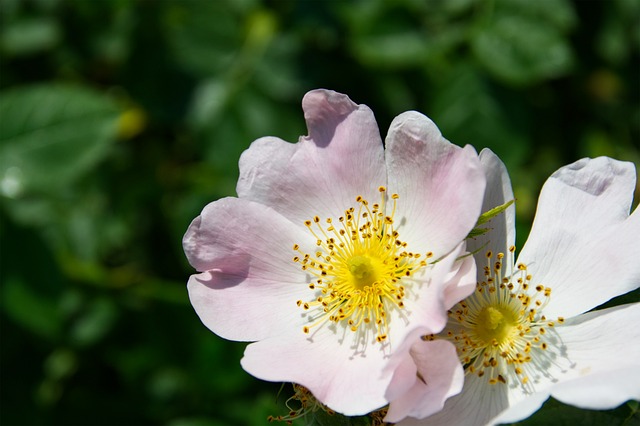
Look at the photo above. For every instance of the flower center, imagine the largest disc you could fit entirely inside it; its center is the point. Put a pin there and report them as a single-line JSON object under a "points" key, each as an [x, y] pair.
{"points": [[363, 271], [500, 330], [495, 323], [359, 269]]}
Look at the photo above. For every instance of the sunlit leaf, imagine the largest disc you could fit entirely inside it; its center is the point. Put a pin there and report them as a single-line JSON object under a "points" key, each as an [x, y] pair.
{"points": [[467, 112], [27, 36], [518, 50], [52, 134], [204, 35]]}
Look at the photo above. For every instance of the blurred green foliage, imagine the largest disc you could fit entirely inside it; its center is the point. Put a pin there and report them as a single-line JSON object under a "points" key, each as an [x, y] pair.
{"points": [[121, 119]]}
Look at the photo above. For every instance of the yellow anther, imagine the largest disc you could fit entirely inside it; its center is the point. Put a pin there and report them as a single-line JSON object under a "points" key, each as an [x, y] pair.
{"points": [[359, 268], [501, 325]]}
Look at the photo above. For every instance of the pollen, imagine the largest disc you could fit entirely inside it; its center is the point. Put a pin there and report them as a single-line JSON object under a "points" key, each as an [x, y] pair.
{"points": [[359, 269], [499, 331]]}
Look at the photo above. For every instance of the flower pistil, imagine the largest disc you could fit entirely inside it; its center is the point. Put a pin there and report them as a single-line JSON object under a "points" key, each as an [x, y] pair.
{"points": [[500, 331], [359, 269]]}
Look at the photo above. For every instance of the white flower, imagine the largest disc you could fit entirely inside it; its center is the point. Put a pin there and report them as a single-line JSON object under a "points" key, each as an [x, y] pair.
{"points": [[524, 335], [337, 248]]}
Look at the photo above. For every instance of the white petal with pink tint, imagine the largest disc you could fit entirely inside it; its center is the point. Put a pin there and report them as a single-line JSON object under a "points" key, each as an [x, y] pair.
{"points": [[498, 192], [436, 360], [524, 328], [439, 288], [441, 185], [601, 391], [342, 158], [583, 236], [476, 405], [326, 363], [603, 356], [246, 249], [321, 263]]}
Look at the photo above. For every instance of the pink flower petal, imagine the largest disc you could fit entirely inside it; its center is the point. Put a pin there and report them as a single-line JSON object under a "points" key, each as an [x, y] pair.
{"points": [[502, 228], [599, 370], [324, 172], [583, 243], [437, 289], [601, 391], [461, 281], [222, 302], [252, 286], [601, 341], [521, 408], [440, 377], [476, 405], [441, 186], [403, 367], [349, 383]]}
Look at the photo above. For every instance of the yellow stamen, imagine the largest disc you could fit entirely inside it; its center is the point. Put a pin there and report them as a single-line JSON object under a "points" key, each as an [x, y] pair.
{"points": [[359, 269], [500, 329]]}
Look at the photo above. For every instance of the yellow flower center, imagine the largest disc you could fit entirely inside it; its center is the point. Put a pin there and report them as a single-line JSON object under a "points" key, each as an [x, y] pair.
{"points": [[359, 269], [500, 328], [364, 271], [495, 323]]}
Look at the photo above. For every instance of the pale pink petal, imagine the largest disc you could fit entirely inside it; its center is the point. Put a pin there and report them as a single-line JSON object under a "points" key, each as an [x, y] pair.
{"points": [[252, 286], [433, 290], [327, 363], [441, 186], [502, 228], [602, 341], [521, 408], [323, 173], [349, 382], [461, 281], [403, 367], [476, 405], [583, 243], [245, 309], [440, 377], [601, 391], [230, 230], [593, 347]]}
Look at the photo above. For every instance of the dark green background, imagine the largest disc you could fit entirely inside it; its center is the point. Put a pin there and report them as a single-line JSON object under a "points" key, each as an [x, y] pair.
{"points": [[121, 119]]}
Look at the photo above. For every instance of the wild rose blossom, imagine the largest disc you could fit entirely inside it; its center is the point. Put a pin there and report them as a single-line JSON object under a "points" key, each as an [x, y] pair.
{"points": [[337, 249], [523, 335]]}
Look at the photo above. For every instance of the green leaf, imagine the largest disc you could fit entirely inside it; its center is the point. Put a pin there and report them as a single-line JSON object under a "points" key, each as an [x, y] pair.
{"points": [[520, 50], [322, 418], [51, 135], [486, 217], [490, 214], [37, 314], [94, 323], [28, 36], [556, 413], [204, 35], [476, 232], [396, 50], [558, 14], [468, 112]]}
